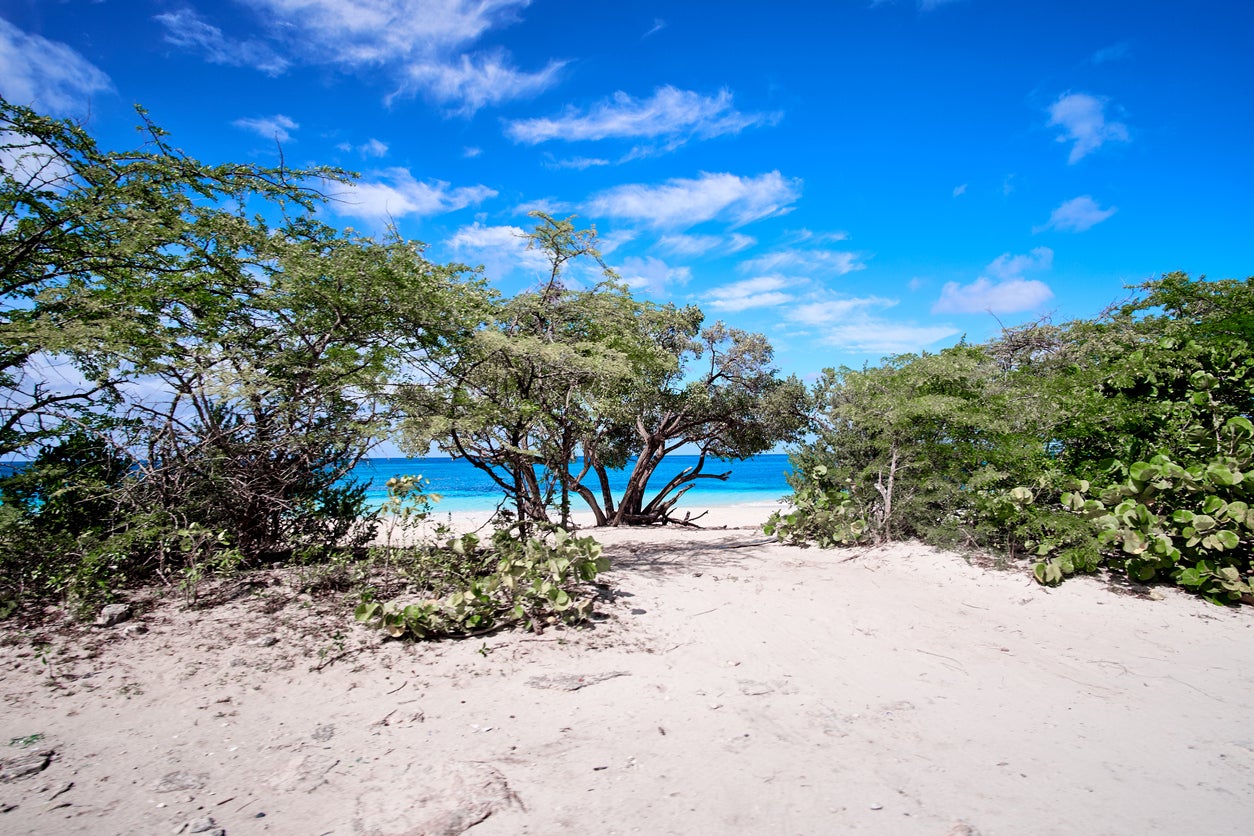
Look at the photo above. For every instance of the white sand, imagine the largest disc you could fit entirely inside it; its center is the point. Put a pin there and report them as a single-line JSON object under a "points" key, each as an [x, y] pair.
{"points": [[734, 686]]}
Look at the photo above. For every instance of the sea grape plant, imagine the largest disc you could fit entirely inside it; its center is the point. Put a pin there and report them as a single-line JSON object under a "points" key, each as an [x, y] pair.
{"points": [[535, 582]]}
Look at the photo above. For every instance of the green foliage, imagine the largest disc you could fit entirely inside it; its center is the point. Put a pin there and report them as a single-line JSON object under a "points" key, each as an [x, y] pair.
{"points": [[231, 372], [534, 582], [918, 447], [1123, 442], [598, 374]]}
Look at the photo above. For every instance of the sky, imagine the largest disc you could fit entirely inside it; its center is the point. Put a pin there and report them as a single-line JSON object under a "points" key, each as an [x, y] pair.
{"points": [[853, 178]]}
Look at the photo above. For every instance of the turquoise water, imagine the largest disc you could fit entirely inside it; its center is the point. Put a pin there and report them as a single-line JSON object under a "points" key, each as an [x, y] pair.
{"points": [[463, 487]]}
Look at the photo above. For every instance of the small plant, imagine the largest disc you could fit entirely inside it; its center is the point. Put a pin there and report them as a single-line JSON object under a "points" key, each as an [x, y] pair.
{"points": [[204, 552], [534, 583], [27, 741]]}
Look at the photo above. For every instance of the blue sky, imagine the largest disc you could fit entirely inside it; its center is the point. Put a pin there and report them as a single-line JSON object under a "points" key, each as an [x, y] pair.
{"points": [[852, 178]]}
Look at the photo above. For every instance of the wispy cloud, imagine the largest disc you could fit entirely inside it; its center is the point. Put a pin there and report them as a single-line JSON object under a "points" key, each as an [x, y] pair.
{"points": [[758, 292], [469, 83], [1076, 215], [1004, 288], [658, 26], [421, 46], [960, 190], [1114, 52], [578, 163], [652, 275], [500, 250], [809, 236], [693, 246], [47, 75], [682, 203], [370, 148], [854, 324], [829, 311], [875, 335], [187, 29], [277, 127], [672, 115], [814, 261], [395, 193], [1082, 118]]}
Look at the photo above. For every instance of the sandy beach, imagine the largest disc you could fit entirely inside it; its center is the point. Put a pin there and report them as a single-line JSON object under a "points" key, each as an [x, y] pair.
{"points": [[729, 685]]}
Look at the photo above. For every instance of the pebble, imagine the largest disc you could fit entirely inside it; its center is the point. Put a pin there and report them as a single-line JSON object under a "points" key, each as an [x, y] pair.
{"points": [[877, 806], [113, 614]]}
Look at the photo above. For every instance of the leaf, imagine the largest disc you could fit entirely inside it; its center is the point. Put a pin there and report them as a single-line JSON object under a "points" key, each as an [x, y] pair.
{"points": [[1222, 474], [1240, 425], [1227, 539], [1021, 496]]}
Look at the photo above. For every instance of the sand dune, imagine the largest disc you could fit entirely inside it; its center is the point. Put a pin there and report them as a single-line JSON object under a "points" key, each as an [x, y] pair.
{"points": [[731, 685]]}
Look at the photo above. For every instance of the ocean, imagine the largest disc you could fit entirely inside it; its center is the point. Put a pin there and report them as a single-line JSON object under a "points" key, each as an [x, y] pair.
{"points": [[462, 487]]}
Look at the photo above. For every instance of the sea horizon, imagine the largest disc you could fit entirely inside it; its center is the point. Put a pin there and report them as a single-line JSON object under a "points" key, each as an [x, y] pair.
{"points": [[464, 488]]}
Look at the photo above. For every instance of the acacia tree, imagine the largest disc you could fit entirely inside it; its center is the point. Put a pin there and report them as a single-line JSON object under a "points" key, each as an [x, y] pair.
{"points": [[718, 394], [85, 235], [240, 369], [568, 385]]}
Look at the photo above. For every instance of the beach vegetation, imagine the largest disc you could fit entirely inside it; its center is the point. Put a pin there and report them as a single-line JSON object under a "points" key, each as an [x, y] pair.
{"points": [[190, 361], [1122, 443], [569, 383]]}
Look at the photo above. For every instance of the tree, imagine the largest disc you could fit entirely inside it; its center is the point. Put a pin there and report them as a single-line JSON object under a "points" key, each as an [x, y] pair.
{"points": [[567, 385], [717, 394], [240, 368], [83, 233]]}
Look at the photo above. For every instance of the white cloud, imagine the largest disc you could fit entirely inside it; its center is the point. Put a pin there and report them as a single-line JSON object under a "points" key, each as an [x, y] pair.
{"points": [[499, 249], [671, 114], [658, 26], [873, 335], [472, 151], [1076, 215], [395, 193], [683, 203], [369, 148], [698, 245], [470, 83], [579, 163], [851, 324], [1083, 120], [46, 75], [277, 127], [652, 274], [828, 311], [1007, 291], [378, 31], [425, 45], [1007, 266], [960, 190], [758, 292], [373, 148], [186, 29], [809, 236], [828, 262]]}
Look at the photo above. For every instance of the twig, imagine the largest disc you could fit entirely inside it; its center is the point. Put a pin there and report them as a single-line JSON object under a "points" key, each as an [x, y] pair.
{"points": [[942, 656], [397, 688], [343, 655]]}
